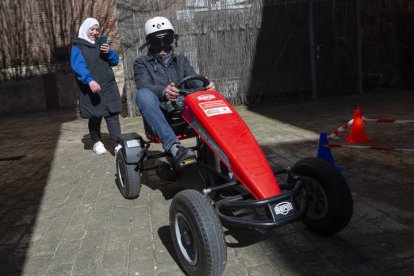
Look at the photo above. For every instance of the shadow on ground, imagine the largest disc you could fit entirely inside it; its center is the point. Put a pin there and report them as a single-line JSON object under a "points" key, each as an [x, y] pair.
{"points": [[23, 181]]}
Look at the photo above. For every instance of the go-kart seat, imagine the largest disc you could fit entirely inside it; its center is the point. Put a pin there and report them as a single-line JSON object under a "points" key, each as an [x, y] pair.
{"points": [[180, 127]]}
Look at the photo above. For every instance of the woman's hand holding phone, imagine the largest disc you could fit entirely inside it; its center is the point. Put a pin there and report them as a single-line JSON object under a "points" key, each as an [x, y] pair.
{"points": [[104, 46]]}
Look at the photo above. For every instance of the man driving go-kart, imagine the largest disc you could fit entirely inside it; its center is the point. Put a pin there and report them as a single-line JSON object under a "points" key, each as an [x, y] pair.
{"points": [[156, 76], [231, 181]]}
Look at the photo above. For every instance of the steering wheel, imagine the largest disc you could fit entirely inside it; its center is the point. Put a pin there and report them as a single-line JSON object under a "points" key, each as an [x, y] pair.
{"points": [[177, 105], [186, 91]]}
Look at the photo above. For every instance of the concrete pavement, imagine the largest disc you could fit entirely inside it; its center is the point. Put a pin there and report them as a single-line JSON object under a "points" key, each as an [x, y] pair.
{"points": [[62, 214]]}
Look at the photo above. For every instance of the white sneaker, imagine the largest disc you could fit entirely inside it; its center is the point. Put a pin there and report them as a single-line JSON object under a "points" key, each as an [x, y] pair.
{"points": [[117, 148], [99, 148]]}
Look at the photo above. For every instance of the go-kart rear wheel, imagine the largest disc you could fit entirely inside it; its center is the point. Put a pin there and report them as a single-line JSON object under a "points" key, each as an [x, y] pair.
{"points": [[197, 234], [128, 177], [330, 206]]}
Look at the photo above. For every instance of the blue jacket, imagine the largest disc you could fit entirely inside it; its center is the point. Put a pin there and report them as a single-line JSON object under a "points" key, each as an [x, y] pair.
{"points": [[89, 64]]}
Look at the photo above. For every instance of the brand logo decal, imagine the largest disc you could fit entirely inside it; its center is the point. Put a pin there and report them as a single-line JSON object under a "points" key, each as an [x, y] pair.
{"points": [[206, 97], [283, 208]]}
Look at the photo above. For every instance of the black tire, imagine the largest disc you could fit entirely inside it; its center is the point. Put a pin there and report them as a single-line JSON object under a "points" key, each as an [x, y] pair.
{"points": [[197, 234], [128, 177], [330, 205]]}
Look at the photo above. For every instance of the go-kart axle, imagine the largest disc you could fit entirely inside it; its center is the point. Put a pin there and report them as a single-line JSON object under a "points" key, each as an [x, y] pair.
{"points": [[219, 187]]}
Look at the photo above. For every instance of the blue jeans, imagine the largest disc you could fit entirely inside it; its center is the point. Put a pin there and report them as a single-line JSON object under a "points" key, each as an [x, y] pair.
{"points": [[149, 106]]}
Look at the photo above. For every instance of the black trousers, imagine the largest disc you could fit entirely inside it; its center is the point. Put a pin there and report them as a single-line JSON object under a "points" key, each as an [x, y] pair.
{"points": [[114, 128]]}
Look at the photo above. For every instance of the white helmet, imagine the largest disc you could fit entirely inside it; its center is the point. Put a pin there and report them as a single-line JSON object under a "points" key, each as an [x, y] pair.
{"points": [[157, 24]]}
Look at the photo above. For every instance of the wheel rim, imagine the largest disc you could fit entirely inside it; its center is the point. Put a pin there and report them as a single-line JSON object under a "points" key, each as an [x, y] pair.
{"points": [[317, 207], [185, 239], [120, 171]]}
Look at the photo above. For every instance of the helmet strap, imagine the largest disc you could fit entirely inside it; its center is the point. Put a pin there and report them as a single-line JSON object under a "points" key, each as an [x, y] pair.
{"points": [[176, 36], [143, 46]]}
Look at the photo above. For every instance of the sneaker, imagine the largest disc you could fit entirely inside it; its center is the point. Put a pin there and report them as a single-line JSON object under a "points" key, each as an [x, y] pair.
{"points": [[117, 148], [184, 157], [99, 148]]}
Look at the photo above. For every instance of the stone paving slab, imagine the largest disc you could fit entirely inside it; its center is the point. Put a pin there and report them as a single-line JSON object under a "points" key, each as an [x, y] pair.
{"points": [[62, 214]]}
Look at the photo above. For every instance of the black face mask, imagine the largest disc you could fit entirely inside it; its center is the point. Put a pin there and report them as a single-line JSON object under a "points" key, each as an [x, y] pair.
{"points": [[155, 50], [156, 44]]}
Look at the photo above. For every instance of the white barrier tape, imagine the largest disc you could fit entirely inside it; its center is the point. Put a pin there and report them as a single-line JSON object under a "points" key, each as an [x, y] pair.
{"points": [[367, 147], [338, 131], [393, 121], [342, 128]]}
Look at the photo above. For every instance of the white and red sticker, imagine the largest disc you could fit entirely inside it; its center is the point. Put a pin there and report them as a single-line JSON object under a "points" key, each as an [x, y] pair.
{"points": [[206, 97], [215, 108]]}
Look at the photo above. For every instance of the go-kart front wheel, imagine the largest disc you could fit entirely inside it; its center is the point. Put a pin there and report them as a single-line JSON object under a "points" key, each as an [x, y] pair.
{"points": [[128, 177], [197, 234], [329, 208]]}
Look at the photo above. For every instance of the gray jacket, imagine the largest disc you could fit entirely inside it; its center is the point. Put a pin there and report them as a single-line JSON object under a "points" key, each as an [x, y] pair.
{"points": [[152, 74]]}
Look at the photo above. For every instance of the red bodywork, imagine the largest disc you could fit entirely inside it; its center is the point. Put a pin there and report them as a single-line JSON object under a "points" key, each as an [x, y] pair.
{"points": [[221, 127]]}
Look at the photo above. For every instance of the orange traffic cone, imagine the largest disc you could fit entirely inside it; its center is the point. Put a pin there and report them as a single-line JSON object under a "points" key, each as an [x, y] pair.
{"points": [[357, 133]]}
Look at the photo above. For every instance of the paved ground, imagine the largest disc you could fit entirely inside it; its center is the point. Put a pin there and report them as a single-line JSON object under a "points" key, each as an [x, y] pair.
{"points": [[62, 214]]}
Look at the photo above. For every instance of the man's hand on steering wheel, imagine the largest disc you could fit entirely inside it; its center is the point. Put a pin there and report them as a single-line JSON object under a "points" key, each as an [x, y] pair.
{"points": [[211, 86], [171, 92]]}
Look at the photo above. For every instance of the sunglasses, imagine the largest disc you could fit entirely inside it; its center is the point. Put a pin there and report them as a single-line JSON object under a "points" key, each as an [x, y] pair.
{"points": [[159, 42]]}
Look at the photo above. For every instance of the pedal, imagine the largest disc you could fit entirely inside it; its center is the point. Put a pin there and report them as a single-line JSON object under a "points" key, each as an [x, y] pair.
{"points": [[186, 162]]}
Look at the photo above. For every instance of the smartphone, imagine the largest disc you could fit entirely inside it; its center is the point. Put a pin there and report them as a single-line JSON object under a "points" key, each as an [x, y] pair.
{"points": [[103, 39]]}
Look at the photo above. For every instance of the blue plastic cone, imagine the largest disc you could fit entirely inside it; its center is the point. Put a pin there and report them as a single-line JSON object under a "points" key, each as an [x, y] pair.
{"points": [[324, 153]]}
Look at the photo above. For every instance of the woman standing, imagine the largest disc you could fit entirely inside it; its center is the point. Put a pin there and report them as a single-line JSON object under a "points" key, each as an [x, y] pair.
{"points": [[99, 94]]}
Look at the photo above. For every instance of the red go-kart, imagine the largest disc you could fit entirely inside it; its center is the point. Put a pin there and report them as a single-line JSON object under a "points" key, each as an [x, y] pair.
{"points": [[231, 183]]}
